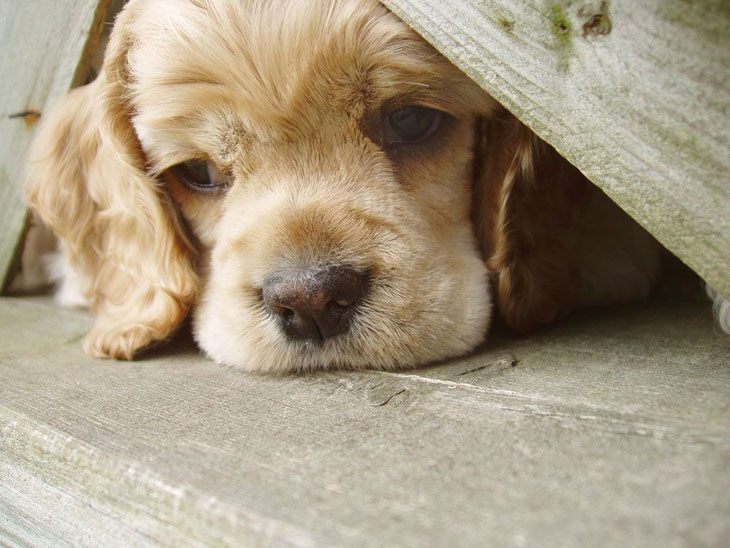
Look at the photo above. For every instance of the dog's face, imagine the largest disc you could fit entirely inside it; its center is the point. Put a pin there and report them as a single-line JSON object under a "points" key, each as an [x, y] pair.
{"points": [[321, 156]]}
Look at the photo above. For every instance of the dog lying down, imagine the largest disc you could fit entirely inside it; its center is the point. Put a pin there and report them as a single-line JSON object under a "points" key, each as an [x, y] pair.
{"points": [[318, 187]]}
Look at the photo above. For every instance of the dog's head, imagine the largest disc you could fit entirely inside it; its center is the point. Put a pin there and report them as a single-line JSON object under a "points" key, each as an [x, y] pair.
{"points": [[300, 173]]}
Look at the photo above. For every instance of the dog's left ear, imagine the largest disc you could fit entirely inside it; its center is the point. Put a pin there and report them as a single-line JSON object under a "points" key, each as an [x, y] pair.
{"points": [[87, 180], [525, 199]]}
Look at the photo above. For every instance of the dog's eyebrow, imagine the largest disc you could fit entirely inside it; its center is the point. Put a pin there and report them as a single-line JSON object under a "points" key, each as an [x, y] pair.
{"points": [[155, 168], [434, 86], [440, 98]]}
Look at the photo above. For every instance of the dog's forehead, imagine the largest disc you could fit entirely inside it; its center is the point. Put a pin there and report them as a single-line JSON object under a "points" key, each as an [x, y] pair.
{"points": [[281, 60]]}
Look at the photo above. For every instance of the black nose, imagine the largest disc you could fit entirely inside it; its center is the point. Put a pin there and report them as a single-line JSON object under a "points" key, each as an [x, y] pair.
{"points": [[314, 304]]}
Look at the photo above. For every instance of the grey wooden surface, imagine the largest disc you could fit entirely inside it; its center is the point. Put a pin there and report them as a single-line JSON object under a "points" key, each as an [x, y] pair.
{"points": [[635, 94], [610, 429], [45, 49]]}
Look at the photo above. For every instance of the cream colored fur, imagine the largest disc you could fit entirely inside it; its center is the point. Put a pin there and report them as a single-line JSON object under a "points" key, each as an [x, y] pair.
{"points": [[284, 97]]}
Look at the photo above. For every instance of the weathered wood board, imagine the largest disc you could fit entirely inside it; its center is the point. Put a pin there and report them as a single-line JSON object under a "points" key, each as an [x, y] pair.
{"points": [[634, 94], [45, 48], [611, 429]]}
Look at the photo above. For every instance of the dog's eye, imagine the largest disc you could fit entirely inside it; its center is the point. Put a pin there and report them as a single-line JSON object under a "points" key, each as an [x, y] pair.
{"points": [[411, 125], [200, 175]]}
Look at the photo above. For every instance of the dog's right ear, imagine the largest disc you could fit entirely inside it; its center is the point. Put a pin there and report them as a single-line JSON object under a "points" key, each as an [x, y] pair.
{"points": [[524, 202], [87, 181]]}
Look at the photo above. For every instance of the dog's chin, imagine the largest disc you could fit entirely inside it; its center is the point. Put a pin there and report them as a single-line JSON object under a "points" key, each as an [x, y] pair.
{"points": [[448, 321]]}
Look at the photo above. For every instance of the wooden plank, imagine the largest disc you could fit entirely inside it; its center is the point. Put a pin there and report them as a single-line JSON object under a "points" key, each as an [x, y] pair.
{"points": [[47, 46], [635, 94], [592, 437], [30, 516]]}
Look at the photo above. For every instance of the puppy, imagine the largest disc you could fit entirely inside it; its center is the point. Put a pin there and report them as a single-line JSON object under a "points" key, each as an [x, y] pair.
{"points": [[318, 187]]}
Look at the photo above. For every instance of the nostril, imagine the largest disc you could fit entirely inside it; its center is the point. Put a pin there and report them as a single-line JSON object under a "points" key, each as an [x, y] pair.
{"points": [[345, 285], [314, 303]]}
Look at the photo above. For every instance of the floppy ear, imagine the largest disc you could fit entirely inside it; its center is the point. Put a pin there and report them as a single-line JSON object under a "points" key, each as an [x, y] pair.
{"points": [[525, 199], [118, 229]]}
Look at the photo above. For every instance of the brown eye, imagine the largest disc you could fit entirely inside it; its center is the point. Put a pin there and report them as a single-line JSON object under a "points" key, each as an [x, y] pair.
{"points": [[411, 125], [200, 175]]}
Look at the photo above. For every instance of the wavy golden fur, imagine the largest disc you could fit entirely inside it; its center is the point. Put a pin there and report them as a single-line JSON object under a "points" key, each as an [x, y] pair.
{"points": [[285, 99]]}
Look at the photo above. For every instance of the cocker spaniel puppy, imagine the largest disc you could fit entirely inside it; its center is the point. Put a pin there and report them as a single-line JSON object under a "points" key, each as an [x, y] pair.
{"points": [[318, 187]]}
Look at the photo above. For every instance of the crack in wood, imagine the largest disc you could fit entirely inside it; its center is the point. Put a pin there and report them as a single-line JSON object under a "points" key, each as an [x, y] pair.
{"points": [[30, 117], [380, 402]]}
